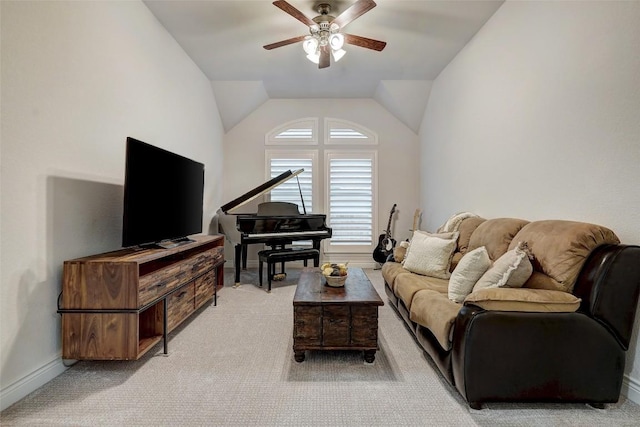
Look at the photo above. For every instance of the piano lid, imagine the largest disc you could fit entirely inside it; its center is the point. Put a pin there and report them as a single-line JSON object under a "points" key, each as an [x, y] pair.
{"points": [[260, 190]]}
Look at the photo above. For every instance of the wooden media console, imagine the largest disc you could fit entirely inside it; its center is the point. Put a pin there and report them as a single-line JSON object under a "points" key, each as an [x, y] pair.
{"points": [[118, 305]]}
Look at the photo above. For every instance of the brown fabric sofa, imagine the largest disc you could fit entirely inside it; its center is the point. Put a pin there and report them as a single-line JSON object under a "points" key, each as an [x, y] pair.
{"points": [[562, 337]]}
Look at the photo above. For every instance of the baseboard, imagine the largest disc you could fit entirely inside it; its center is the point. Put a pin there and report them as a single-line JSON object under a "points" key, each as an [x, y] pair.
{"points": [[19, 389], [631, 389]]}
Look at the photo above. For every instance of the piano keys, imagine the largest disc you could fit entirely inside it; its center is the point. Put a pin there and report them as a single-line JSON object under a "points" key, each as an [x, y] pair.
{"points": [[275, 224]]}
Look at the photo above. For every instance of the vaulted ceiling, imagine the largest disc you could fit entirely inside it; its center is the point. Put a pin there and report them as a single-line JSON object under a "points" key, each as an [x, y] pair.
{"points": [[225, 39]]}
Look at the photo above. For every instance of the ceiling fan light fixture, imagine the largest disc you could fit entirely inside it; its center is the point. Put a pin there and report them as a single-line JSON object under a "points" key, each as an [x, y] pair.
{"points": [[314, 57], [336, 41], [337, 54], [310, 45]]}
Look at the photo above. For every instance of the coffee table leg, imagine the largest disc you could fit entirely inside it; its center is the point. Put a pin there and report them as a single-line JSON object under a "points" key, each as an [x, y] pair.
{"points": [[299, 356], [369, 356]]}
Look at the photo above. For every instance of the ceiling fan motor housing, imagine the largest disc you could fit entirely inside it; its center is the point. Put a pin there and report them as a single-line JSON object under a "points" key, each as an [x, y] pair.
{"points": [[324, 29]]}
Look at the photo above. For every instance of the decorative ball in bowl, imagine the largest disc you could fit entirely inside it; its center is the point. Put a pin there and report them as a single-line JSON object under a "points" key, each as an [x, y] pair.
{"points": [[335, 274]]}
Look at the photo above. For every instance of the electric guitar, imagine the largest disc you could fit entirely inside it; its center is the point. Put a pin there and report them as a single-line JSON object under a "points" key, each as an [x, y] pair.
{"points": [[385, 242]]}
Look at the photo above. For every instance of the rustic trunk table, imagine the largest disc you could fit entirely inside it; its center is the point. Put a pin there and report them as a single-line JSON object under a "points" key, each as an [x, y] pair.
{"points": [[343, 318]]}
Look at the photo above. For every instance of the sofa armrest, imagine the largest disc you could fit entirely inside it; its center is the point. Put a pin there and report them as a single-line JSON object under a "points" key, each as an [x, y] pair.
{"points": [[528, 356], [523, 299], [609, 286]]}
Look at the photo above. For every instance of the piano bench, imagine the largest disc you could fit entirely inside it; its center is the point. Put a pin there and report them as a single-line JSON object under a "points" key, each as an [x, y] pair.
{"points": [[273, 256]]}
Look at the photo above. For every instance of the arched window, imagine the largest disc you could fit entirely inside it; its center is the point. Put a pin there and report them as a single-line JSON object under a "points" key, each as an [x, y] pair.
{"points": [[344, 132], [345, 189], [297, 132]]}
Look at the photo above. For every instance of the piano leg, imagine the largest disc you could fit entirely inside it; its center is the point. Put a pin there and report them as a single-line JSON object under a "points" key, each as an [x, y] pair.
{"points": [[244, 256], [237, 261]]}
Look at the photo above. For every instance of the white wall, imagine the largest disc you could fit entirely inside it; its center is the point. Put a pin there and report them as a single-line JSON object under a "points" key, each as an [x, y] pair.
{"points": [[538, 117], [397, 162], [77, 79]]}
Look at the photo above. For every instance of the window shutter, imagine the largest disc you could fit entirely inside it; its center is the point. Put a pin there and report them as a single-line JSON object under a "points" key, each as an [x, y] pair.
{"points": [[344, 132], [297, 132], [289, 191], [351, 201]]}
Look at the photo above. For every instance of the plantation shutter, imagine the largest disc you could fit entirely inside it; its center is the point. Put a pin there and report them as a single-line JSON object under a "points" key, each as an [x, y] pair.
{"points": [[350, 196], [297, 132], [344, 132], [289, 191]]}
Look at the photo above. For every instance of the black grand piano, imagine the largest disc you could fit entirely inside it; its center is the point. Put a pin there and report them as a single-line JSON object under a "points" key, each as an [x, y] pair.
{"points": [[275, 224]]}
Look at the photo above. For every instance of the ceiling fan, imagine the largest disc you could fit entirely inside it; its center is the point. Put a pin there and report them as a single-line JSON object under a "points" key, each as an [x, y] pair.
{"points": [[325, 38]]}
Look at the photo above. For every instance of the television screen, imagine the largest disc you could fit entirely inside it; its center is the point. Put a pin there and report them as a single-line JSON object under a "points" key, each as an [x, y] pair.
{"points": [[162, 195]]}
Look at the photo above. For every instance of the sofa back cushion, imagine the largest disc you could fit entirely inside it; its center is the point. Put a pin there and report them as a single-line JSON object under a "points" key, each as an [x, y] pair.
{"points": [[496, 235], [466, 228], [559, 249]]}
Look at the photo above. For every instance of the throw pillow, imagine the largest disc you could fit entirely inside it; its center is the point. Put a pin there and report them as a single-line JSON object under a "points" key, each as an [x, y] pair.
{"points": [[430, 256], [511, 270], [445, 235], [400, 251], [468, 271]]}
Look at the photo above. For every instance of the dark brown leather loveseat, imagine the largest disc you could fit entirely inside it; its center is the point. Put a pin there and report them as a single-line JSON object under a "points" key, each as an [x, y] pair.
{"points": [[516, 344]]}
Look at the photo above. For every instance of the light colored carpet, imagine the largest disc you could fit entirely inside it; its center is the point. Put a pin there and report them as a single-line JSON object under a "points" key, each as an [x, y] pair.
{"points": [[232, 365]]}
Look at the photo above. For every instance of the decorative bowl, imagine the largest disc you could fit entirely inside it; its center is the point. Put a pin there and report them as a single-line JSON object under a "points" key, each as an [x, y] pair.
{"points": [[335, 274], [335, 281]]}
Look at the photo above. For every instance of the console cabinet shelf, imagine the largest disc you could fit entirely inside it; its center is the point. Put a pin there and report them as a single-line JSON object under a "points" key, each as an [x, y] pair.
{"points": [[118, 305]]}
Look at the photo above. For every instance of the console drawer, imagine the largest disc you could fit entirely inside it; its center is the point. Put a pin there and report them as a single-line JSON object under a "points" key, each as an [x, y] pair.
{"points": [[205, 286], [180, 305], [163, 280]]}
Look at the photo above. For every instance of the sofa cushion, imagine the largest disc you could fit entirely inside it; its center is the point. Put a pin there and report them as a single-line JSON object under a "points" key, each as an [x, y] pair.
{"points": [[468, 271], [532, 300], [429, 255], [467, 227], [511, 270], [496, 235], [390, 270], [436, 312], [406, 286], [559, 249]]}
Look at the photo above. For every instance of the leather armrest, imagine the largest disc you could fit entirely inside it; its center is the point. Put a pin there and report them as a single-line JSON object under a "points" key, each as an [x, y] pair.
{"points": [[518, 356], [609, 286]]}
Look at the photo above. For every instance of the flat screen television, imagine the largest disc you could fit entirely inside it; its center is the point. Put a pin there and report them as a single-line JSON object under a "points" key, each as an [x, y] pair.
{"points": [[163, 194]]}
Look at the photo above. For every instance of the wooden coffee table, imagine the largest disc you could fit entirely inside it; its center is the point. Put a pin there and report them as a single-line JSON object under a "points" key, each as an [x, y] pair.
{"points": [[344, 318]]}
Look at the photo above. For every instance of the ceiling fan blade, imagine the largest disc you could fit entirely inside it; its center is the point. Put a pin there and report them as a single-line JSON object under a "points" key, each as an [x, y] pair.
{"points": [[364, 42], [281, 4], [284, 42], [355, 10], [325, 58]]}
